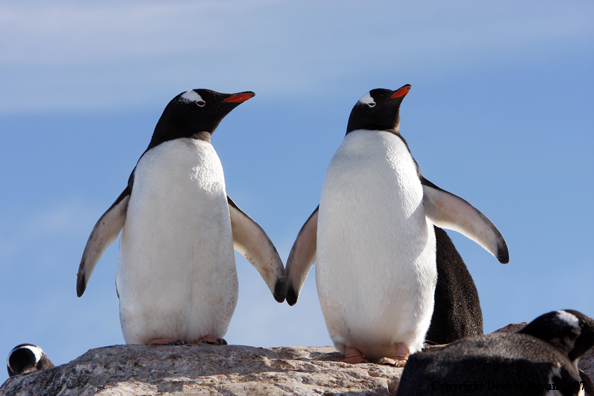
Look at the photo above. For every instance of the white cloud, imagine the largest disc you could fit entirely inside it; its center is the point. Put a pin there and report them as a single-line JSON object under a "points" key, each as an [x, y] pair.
{"points": [[64, 32], [88, 55]]}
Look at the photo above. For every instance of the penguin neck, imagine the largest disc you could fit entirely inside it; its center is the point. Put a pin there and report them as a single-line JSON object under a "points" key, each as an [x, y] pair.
{"points": [[204, 136], [385, 121], [395, 130], [160, 136]]}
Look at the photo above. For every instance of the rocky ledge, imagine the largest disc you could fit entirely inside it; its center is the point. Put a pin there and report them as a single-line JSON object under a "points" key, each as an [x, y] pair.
{"points": [[217, 370], [207, 370]]}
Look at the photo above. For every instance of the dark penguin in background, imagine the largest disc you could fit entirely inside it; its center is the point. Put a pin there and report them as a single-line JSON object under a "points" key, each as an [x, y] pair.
{"points": [[540, 359], [457, 311], [25, 358], [176, 277], [373, 238]]}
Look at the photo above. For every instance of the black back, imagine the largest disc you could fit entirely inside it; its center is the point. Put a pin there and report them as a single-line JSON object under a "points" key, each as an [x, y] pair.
{"points": [[569, 330], [457, 312], [519, 363]]}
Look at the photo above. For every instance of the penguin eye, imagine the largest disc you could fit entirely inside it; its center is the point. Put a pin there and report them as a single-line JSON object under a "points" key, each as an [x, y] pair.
{"points": [[201, 103], [371, 104]]}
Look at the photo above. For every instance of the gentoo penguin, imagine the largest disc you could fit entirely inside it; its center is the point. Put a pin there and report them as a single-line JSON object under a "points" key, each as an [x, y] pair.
{"points": [[457, 310], [373, 240], [176, 278], [540, 359], [25, 358]]}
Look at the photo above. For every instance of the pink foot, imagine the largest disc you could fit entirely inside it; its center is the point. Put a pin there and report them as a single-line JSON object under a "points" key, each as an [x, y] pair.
{"points": [[166, 341], [400, 357], [209, 339], [353, 356]]}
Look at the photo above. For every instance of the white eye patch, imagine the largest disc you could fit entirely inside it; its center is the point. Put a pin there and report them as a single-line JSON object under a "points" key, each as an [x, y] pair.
{"points": [[569, 318], [193, 96], [368, 100]]}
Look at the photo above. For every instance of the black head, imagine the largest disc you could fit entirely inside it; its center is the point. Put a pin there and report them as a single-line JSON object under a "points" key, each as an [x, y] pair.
{"points": [[26, 358], [196, 114], [569, 330], [378, 110]]}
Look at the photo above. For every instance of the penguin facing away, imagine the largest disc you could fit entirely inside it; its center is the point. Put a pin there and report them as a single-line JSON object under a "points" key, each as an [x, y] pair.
{"points": [[540, 359], [457, 310], [176, 277], [26, 358], [373, 240]]}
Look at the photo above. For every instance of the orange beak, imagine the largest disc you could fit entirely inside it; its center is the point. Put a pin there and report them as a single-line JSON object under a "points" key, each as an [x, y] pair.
{"points": [[240, 97], [401, 92]]}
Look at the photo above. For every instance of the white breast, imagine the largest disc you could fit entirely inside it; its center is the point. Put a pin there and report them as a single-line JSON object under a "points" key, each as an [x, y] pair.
{"points": [[176, 275], [375, 266]]}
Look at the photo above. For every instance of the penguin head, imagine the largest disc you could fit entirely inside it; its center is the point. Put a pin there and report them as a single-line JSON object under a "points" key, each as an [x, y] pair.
{"points": [[378, 110], [196, 114], [25, 358], [569, 330]]}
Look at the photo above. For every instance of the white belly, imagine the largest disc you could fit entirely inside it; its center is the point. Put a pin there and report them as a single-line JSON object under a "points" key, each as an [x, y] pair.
{"points": [[375, 270], [176, 274]]}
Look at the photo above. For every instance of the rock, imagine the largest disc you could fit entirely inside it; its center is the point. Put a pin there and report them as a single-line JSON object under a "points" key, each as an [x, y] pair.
{"points": [[216, 370], [207, 370]]}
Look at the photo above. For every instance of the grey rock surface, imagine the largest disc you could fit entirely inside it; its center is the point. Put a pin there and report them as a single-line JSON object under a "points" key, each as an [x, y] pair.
{"points": [[216, 370], [207, 370]]}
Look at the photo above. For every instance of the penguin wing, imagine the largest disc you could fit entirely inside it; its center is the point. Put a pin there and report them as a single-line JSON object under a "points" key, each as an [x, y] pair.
{"points": [[106, 231], [302, 257], [449, 211], [251, 241]]}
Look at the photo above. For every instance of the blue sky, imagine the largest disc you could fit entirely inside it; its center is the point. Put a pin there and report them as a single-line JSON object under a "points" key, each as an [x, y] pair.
{"points": [[500, 112]]}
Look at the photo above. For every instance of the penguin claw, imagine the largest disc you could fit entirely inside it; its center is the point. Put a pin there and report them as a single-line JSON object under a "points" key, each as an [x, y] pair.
{"points": [[353, 356], [400, 357], [354, 360], [391, 362], [212, 340]]}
